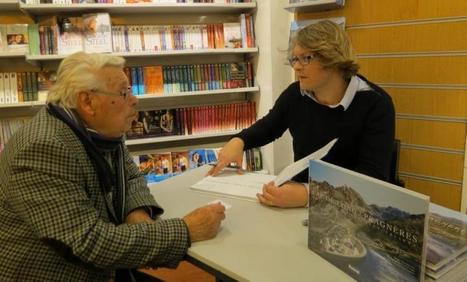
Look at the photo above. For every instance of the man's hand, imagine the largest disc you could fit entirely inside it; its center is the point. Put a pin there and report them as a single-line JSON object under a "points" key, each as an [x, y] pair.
{"points": [[138, 216], [203, 223], [231, 152], [289, 195]]}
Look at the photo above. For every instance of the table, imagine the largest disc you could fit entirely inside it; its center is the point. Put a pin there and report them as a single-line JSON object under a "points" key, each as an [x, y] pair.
{"points": [[255, 242]]}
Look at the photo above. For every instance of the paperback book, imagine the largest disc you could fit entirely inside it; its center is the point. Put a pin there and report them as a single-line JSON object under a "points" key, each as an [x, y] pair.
{"points": [[370, 229], [17, 37], [97, 33]]}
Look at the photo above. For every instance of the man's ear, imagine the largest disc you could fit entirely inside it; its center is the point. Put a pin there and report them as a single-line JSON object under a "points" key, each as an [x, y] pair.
{"points": [[85, 105]]}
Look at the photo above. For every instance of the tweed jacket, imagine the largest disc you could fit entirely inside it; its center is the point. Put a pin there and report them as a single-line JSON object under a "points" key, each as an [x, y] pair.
{"points": [[54, 222]]}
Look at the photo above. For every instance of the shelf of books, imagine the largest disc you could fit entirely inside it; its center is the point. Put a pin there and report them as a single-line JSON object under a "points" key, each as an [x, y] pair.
{"points": [[164, 139], [147, 54], [155, 7], [191, 67], [305, 6]]}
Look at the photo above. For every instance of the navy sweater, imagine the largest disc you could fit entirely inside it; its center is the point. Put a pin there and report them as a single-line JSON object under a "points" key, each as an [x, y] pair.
{"points": [[365, 130]]}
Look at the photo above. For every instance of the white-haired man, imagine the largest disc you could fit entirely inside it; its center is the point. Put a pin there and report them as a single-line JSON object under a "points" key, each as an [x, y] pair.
{"points": [[73, 205]]}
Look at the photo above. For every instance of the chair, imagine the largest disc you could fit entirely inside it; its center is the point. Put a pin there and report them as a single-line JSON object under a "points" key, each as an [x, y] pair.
{"points": [[394, 168]]}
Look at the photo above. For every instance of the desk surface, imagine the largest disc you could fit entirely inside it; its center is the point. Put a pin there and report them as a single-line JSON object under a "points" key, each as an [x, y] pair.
{"points": [[255, 243]]}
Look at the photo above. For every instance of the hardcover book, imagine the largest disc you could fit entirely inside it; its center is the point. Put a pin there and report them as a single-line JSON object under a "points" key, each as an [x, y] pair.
{"points": [[447, 238], [370, 229]]}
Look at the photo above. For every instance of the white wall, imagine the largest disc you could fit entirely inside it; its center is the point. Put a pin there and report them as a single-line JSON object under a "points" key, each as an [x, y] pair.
{"points": [[273, 74]]}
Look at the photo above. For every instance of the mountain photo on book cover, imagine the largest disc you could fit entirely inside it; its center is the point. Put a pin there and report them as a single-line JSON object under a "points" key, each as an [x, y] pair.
{"points": [[447, 236], [370, 231]]}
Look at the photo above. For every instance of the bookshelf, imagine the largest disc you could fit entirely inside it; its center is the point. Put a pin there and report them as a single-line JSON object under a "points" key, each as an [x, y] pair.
{"points": [[139, 8], [143, 14], [33, 58], [314, 6]]}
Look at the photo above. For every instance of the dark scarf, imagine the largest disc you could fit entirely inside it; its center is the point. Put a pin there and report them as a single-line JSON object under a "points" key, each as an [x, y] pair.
{"points": [[96, 147]]}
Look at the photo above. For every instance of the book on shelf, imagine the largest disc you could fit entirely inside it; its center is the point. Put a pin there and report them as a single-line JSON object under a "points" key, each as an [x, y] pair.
{"points": [[17, 38], [97, 33], [370, 229], [155, 165], [447, 240], [180, 162], [70, 38], [232, 35], [3, 41]]}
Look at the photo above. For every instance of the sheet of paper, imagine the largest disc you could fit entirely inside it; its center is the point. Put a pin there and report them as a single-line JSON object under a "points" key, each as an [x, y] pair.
{"points": [[234, 184], [298, 166], [247, 185]]}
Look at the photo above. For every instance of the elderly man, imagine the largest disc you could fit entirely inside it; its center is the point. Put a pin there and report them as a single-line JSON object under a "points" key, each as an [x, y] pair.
{"points": [[73, 205]]}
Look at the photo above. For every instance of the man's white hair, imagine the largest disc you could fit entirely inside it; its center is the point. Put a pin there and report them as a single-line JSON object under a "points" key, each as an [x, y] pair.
{"points": [[79, 72]]}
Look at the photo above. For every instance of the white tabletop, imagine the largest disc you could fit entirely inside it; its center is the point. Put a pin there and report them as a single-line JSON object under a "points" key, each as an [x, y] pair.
{"points": [[255, 242]]}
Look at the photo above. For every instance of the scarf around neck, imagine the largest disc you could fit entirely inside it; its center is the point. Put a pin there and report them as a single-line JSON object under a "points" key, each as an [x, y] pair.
{"points": [[96, 147]]}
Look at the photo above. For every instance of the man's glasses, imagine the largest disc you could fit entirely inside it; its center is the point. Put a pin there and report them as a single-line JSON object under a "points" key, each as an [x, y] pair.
{"points": [[124, 92], [304, 59]]}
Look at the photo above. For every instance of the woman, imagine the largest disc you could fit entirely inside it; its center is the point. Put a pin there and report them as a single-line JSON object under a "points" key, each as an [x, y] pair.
{"points": [[328, 101]]}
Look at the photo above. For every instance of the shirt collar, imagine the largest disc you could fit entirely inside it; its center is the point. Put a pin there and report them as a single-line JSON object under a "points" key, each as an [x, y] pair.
{"points": [[356, 84]]}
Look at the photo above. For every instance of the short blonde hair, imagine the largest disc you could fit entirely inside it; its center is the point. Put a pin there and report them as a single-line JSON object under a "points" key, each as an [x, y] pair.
{"points": [[329, 42], [79, 72]]}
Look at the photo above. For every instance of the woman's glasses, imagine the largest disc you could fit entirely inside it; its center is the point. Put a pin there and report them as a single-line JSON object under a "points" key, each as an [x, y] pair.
{"points": [[303, 59]]}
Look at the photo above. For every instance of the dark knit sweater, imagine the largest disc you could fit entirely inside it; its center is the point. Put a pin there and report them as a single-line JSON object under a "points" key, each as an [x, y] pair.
{"points": [[365, 130]]}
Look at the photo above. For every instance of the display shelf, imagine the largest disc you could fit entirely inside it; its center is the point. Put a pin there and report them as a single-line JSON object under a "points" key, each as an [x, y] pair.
{"points": [[22, 105], [11, 54], [219, 51], [138, 8], [147, 97], [172, 138], [315, 6], [9, 5]]}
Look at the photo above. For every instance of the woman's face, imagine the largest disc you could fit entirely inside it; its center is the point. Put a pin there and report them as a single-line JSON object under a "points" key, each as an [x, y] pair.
{"points": [[312, 76]]}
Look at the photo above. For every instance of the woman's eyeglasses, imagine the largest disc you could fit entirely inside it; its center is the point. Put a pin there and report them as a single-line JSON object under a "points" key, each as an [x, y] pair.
{"points": [[304, 59]]}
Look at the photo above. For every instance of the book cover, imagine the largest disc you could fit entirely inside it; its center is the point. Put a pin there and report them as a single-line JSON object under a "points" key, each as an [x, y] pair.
{"points": [[447, 236], [151, 123], [370, 229], [168, 123], [97, 33], [70, 39], [197, 157], [45, 81], [17, 37], [212, 155], [137, 127], [180, 162]]}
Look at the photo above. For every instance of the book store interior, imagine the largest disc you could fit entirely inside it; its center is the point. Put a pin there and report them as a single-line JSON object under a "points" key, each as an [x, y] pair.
{"points": [[233, 140]]}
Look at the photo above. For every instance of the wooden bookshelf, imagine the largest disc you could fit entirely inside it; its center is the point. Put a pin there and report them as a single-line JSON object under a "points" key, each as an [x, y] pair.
{"points": [[173, 138]]}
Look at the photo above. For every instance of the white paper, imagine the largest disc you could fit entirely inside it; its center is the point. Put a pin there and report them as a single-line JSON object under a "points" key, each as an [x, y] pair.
{"points": [[247, 185], [231, 183], [295, 168]]}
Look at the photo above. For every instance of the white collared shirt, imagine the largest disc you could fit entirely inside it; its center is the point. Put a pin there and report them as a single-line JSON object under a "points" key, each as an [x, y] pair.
{"points": [[356, 84]]}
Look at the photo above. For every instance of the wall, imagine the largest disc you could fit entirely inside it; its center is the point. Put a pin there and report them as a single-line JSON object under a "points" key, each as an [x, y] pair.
{"points": [[417, 51], [273, 74]]}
